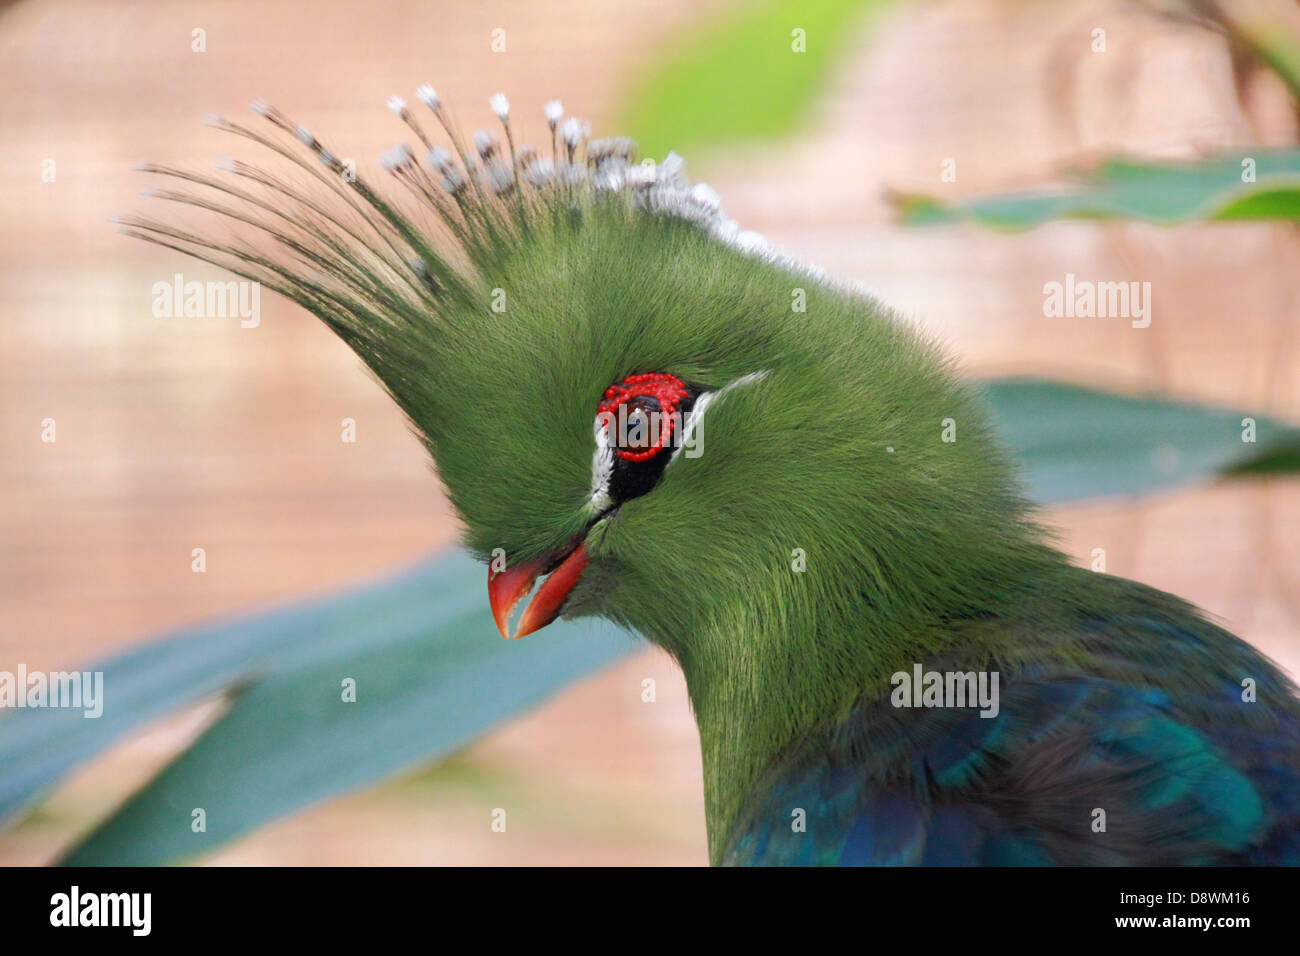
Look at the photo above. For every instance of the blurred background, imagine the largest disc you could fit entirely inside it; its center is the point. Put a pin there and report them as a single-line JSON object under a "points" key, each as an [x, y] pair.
{"points": [[176, 434]]}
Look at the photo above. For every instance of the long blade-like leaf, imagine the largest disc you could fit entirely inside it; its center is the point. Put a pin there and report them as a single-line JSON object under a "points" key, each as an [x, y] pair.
{"points": [[429, 677], [1077, 442], [1250, 185], [435, 613]]}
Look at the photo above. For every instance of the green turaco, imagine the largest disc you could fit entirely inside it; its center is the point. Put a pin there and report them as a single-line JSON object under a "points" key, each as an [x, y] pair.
{"points": [[763, 471]]}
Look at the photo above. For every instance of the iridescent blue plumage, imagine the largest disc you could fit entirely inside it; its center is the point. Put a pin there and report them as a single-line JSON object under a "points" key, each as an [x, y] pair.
{"points": [[1186, 768]]}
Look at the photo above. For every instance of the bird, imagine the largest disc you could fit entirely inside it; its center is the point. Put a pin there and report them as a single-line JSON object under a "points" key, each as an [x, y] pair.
{"points": [[643, 412]]}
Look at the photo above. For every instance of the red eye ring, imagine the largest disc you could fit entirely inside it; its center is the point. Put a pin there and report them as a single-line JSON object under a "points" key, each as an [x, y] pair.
{"points": [[667, 390]]}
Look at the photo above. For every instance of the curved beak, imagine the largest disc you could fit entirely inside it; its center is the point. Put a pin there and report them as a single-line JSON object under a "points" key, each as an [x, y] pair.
{"points": [[506, 588]]}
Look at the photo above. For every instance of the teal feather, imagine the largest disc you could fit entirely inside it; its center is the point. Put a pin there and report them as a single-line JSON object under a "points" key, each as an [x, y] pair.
{"points": [[1182, 774]]}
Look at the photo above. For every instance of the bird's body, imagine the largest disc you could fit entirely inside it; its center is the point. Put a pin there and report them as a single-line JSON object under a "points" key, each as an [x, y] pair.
{"points": [[1122, 739], [789, 490]]}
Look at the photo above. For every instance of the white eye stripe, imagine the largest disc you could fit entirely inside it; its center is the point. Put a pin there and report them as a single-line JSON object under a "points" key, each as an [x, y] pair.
{"points": [[702, 404], [602, 468], [602, 459]]}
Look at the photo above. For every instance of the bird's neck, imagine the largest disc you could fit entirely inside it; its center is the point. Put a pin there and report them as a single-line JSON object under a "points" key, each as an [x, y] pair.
{"points": [[768, 681]]}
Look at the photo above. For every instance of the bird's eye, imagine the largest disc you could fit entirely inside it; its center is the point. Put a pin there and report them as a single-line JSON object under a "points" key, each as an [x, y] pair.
{"points": [[634, 434], [643, 414], [639, 422]]}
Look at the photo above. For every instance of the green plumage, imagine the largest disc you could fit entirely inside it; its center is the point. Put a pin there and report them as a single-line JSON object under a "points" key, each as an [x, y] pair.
{"points": [[830, 534]]}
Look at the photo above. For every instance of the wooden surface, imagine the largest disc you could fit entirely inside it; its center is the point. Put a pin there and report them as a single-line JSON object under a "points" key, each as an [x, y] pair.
{"points": [[181, 433]]}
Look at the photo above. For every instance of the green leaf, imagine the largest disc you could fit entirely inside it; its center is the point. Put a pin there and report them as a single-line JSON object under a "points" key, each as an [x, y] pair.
{"points": [[1077, 442], [1166, 193], [737, 77], [431, 672]]}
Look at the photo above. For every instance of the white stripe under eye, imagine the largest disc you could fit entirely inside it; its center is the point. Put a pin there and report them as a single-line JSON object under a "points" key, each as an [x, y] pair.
{"points": [[702, 405]]}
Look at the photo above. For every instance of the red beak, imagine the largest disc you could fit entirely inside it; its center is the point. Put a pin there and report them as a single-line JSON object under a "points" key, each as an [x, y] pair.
{"points": [[506, 588]]}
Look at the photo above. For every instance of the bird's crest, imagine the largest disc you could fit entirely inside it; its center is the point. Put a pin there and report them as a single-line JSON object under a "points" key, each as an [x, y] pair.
{"points": [[616, 269], [368, 263]]}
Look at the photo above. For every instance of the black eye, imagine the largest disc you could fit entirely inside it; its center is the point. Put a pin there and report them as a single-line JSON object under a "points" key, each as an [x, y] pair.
{"points": [[640, 427]]}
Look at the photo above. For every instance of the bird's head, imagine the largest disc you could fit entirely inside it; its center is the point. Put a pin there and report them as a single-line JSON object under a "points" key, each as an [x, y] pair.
{"points": [[618, 406], [637, 409]]}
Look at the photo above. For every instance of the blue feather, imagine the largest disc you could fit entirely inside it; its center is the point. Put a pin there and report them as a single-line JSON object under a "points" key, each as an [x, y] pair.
{"points": [[1186, 773]]}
